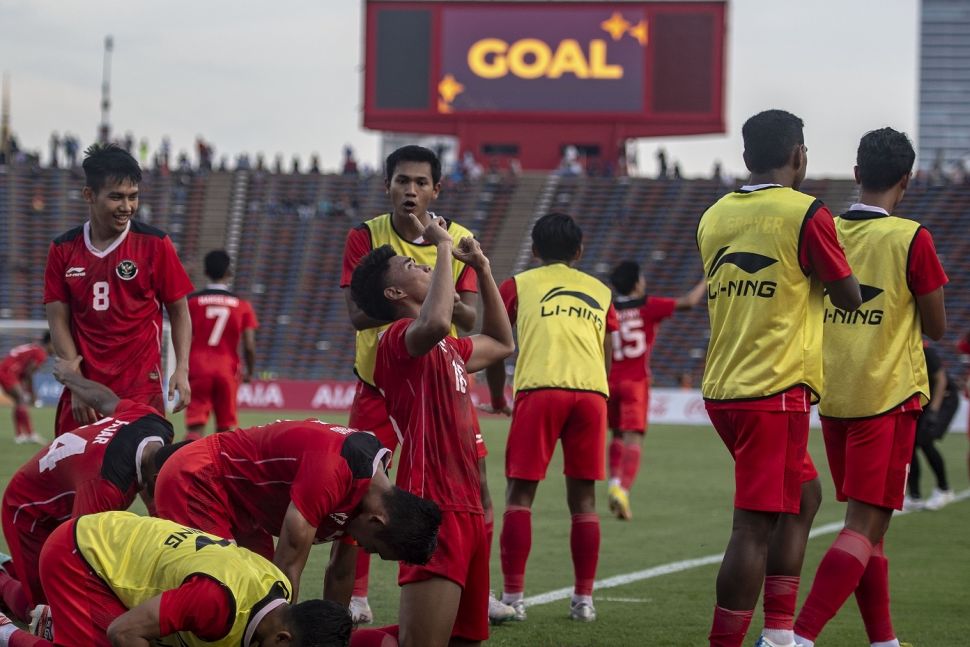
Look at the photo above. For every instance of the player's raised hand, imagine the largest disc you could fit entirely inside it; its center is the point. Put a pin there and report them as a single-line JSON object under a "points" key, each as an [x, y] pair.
{"points": [[470, 253], [180, 382], [434, 233], [63, 367]]}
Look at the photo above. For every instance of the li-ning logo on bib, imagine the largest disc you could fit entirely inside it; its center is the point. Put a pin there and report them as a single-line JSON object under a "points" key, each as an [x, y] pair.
{"points": [[126, 270], [870, 317], [589, 311], [749, 262]]}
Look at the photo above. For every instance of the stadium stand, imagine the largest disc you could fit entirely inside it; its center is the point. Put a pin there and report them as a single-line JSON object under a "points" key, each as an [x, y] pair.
{"points": [[286, 232]]}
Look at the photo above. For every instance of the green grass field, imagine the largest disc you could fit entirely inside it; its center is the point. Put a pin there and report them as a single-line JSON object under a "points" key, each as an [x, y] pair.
{"points": [[682, 510]]}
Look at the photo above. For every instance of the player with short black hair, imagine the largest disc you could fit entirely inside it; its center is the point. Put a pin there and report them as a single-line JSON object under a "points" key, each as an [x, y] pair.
{"points": [[422, 370], [564, 319], [876, 383], [221, 319], [115, 578], [17, 381], [415, 154], [765, 279], [639, 318], [105, 284]]}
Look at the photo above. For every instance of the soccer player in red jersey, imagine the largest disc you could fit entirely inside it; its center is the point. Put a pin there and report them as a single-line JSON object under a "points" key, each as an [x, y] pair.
{"points": [[412, 180], [304, 481], [768, 251], [17, 381], [104, 286], [876, 383], [219, 320], [639, 316], [94, 468], [423, 373]]}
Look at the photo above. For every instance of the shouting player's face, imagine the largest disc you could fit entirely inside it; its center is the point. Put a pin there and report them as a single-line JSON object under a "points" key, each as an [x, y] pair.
{"points": [[412, 189], [112, 206]]}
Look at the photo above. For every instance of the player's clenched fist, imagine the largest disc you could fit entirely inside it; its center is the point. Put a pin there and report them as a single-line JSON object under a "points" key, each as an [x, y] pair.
{"points": [[470, 253]]}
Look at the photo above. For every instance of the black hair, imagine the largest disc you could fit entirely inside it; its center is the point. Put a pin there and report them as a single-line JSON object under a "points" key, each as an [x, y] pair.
{"points": [[46, 339], [412, 153], [885, 156], [319, 623], [109, 162], [412, 526], [165, 452], [217, 264], [624, 277], [368, 282], [557, 237], [769, 138]]}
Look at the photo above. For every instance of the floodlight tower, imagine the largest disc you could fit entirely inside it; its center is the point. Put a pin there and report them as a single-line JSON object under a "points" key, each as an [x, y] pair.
{"points": [[104, 130]]}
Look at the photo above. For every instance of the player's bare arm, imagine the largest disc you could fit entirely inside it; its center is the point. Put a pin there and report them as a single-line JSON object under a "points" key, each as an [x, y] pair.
{"points": [[93, 395], [608, 351], [293, 549], [338, 581], [137, 627], [249, 353], [178, 316], [932, 314], [465, 312], [434, 319], [59, 322], [693, 298], [495, 342], [845, 293]]}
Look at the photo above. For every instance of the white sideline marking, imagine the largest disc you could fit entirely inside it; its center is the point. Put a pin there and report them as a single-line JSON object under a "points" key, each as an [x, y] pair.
{"points": [[684, 565]]}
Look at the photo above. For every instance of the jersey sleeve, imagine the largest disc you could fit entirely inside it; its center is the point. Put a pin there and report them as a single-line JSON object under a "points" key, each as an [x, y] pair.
{"points": [[172, 282], [319, 486], [819, 250], [201, 606], [658, 308], [464, 346], [612, 321], [510, 298], [55, 288], [249, 321], [356, 247], [924, 272], [467, 280]]}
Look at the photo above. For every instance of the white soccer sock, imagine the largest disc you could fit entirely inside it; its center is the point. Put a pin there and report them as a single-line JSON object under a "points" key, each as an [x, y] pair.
{"points": [[803, 642], [6, 631], [509, 598], [887, 643], [588, 599], [614, 481], [779, 636]]}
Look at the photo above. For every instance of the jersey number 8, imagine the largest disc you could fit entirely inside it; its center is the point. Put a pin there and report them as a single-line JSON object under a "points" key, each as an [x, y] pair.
{"points": [[101, 301]]}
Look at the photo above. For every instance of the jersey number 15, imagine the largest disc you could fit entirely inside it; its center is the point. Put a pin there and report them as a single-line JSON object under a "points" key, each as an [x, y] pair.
{"points": [[630, 341]]}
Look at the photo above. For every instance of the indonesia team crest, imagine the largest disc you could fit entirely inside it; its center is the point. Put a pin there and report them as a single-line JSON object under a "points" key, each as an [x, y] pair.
{"points": [[127, 270]]}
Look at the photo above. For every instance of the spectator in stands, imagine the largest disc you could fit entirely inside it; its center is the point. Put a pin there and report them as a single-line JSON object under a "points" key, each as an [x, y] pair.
{"points": [[315, 164], [677, 174], [295, 169], [165, 151], [718, 171], [260, 162], [128, 143], [143, 152], [350, 164], [570, 164], [470, 168], [933, 424], [55, 145], [661, 164], [278, 163], [71, 147]]}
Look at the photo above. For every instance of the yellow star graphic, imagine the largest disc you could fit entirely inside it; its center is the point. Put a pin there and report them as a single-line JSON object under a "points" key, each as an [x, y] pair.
{"points": [[616, 26], [639, 31], [443, 107], [449, 88]]}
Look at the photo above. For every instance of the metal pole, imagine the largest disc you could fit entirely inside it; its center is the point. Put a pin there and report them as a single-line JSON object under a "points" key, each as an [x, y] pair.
{"points": [[104, 130]]}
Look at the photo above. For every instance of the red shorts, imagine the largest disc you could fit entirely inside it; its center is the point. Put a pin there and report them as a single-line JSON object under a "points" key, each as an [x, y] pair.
{"points": [[213, 392], [869, 457], [64, 420], [82, 605], [542, 417], [769, 450], [25, 538], [188, 491], [9, 381], [628, 405], [462, 557], [369, 413]]}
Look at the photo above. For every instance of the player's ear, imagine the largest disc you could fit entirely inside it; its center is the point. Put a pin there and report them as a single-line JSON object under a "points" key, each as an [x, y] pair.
{"points": [[579, 253], [436, 190], [392, 293], [855, 172], [88, 195]]}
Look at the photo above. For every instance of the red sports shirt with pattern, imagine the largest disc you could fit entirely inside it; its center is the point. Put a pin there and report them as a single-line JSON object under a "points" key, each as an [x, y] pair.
{"points": [[219, 318], [632, 343]]}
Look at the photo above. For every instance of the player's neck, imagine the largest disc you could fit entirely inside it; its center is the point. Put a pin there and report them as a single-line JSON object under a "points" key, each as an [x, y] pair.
{"points": [[781, 176], [883, 199], [101, 239], [405, 227]]}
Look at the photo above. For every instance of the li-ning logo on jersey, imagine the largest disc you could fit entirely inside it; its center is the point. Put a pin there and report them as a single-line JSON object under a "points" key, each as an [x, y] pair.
{"points": [[74, 273], [590, 311], [867, 317], [749, 262], [126, 270]]}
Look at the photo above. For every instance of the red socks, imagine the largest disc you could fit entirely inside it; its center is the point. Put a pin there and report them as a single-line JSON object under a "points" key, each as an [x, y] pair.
{"points": [[837, 577], [781, 597], [21, 420], [363, 574], [584, 542], [14, 597], [379, 637], [729, 627], [872, 596], [515, 544], [616, 458], [630, 465]]}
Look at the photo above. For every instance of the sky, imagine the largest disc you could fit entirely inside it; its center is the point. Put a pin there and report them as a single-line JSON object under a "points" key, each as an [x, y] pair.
{"points": [[285, 77]]}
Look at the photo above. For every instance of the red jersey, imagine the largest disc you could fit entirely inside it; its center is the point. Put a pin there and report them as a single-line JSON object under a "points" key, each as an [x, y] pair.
{"points": [[94, 468], [116, 298], [21, 358], [323, 469], [638, 321], [219, 318], [429, 405]]}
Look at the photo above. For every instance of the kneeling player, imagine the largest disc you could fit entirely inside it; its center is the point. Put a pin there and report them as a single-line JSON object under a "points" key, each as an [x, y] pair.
{"points": [[423, 374], [94, 468], [115, 578], [304, 481]]}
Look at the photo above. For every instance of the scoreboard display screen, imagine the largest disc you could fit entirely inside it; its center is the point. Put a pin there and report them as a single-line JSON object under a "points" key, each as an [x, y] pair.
{"points": [[635, 62]]}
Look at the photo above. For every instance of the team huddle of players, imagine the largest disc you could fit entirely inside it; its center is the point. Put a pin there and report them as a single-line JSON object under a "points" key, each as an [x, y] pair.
{"points": [[237, 513]]}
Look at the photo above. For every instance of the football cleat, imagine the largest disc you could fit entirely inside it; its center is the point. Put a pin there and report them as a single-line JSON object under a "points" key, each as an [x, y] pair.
{"points": [[620, 503], [37, 439], [582, 611], [911, 504], [939, 499], [498, 611], [764, 642], [519, 607], [41, 624], [360, 612]]}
